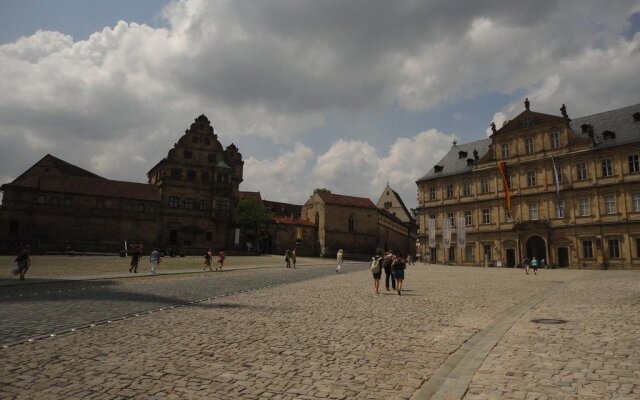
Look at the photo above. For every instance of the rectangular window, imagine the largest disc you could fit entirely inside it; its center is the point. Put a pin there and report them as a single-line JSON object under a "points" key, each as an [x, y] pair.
{"points": [[173, 202], [587, 249], [209, 236], [528, 145], [607, 167], [581, 171], [610, 204], [507, 216], [450, 218], [486, 216], [560, 209], [634, 164], [533, 211], [55, 201], [560, 177], [67, 201], [432, 193], [176, 173], [191, 175], [188, 154], [635, 201], [204, 178], [468, 252], [211, 157], [505, 150], [466, 188], [467, 218], [203, 204], [449, 191], [531, 178], [555, 140], [141, 207], [584, 210], [452, 253], [100, 203], [614, 248], [487, 251], [484, 185], [41, 199], [187, 203]]}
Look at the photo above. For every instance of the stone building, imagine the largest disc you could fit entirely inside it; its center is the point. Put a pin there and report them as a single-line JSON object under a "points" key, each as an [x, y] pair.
{"points": [[356, 225], [542, 185], [188, 202], [391, 201]]}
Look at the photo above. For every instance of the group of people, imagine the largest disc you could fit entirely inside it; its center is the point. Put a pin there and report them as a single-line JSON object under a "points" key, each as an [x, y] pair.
{"points": [[393, 266], [290, 258], [208, 256], [533, 264]]}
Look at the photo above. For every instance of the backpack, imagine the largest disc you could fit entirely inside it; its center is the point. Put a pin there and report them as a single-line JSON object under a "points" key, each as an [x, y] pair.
{"points": [[375, 266]]}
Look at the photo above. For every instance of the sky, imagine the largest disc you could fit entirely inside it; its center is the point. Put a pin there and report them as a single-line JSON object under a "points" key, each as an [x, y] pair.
{"points": [[344, 95]]}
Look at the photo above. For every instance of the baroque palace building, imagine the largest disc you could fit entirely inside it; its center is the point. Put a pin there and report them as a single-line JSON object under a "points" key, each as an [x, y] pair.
{"points": [[188, 202], [542, 185]]}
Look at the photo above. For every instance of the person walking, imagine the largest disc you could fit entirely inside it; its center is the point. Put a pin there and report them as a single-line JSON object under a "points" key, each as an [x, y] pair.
{"points": [[135, 258], [534, 265], [543, 264], [340, 259], [154, 260], [386, 264], [376, 270], [287, 258], [221, 257], [207, 260], [293, 257], [526, 262], [397, 268], [24, 262]]}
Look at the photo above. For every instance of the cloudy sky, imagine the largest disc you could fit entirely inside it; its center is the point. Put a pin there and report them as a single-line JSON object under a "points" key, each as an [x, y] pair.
{"points": [[347, 95]]}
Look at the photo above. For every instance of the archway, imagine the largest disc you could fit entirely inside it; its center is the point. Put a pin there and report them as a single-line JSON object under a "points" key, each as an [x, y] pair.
{"points": [[537, 248]]}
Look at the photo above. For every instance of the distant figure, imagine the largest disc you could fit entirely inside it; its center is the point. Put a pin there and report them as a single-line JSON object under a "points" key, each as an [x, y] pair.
{"points": [[376, 270], [154, 260], [293, 257], [534, 265], [220, 260], [543, 263], [207, 260], [409, 259], [526, 104], [135, 258], [340, 259], [287, 258], [563, 110], [23, 261], [526, 262]]}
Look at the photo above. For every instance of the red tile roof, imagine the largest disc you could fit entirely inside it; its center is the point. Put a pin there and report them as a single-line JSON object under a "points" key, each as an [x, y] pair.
{"points": [[350, 201]]}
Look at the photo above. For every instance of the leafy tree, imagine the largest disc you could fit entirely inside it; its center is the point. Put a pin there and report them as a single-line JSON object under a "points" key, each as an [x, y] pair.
{"points": [[250, 213]]}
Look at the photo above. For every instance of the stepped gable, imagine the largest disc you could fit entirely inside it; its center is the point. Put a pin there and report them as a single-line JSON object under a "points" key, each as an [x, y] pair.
{"points": [[452, 163], [350, 201], [610, 128]]}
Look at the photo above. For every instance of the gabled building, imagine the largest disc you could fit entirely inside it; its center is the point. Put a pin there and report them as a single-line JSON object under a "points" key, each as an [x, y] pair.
{"points": [[391, 202], [542, 185], [188, 202]]}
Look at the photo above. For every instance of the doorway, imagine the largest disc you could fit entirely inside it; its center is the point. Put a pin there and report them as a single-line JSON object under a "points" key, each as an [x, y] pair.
{"points": [[511, 258], [434, 255], [563, 257], [536, 248]]}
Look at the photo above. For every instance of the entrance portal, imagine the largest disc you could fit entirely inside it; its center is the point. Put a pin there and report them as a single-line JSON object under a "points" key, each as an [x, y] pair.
{"points": [[511, 258], [536, 248], [563, 257], [434, 255]]}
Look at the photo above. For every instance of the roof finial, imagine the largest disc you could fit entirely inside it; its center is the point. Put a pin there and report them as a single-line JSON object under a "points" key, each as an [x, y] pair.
{"points": [[526, 103], [493, 127], [563, 110], [454, 143]]}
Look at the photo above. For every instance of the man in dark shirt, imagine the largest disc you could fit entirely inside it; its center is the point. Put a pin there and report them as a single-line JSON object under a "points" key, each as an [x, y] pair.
{"points": [[386, 264]]}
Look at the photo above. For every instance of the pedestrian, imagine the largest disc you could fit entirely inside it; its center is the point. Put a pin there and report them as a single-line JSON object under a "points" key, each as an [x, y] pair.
{"points": [[543, 264], [526, 262], [154, 260], [340, 259], [376, 270], [135, 258], [24, 262], [221, 257], [397, 268], [386, 264], [293, 257], [207, 260], [287, 258], [534, 265], [409, 259]]}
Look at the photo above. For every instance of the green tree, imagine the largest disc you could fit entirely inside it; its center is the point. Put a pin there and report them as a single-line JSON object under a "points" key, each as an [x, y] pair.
{"points": [[250, 214]]}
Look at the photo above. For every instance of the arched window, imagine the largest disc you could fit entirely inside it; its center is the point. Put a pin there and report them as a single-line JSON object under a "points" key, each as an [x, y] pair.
{"points": [[352, 227]]}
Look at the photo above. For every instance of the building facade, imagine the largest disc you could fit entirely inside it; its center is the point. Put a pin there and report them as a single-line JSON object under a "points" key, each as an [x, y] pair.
{"points": [[542, 185], [188, 202]]}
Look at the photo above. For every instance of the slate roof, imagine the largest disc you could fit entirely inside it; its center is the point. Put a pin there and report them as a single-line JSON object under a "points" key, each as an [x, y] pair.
{"points": [[620, 122], [350, 201], [452, 164]]}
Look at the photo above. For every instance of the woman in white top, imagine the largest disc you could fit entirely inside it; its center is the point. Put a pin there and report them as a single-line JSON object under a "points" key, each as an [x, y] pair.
{"points": [[339, 258]]}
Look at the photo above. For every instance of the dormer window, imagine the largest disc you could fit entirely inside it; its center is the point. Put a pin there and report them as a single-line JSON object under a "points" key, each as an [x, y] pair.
{"points": [[586, 128], [438, 168], [470, 162], [462, 154], [636, 117], [608, 135]]}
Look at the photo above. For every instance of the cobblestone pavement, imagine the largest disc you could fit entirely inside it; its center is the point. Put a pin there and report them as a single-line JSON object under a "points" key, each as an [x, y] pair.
{"points": [[331, 337], [28, 311]]}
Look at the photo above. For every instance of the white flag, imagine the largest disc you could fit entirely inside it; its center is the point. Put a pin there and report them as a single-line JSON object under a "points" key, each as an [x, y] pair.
{"points": [[446, 233], [461, 233], [431, 226]]}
